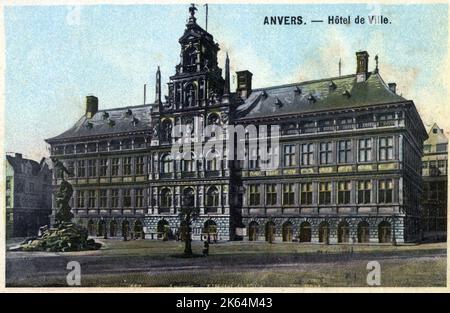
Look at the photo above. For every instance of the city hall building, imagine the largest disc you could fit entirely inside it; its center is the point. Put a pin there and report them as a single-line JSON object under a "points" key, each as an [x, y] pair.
{"points": [[349, 157]]}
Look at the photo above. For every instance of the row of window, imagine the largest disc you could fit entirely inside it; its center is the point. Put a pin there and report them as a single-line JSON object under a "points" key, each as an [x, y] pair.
{"points": [[211, 197], [105, 167], [364, 193], [118, 198], [344, 151], [102, 146]]}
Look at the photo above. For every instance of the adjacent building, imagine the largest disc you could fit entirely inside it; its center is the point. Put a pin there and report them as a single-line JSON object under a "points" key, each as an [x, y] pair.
{"points": [[349, 157], [434, 172], [28, 195]]}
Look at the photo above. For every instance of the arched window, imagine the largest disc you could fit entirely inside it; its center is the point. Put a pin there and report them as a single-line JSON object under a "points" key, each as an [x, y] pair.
{"points": [[384, 232], [213, 119], [363, 232], [138, 229], [324, 232], [189, 95], [210, 227], [91, 228], [212, 197], [188, 197], [166, 131], [270, 231], [101, 228], [167, 164], [163, 229], [188, 162], [165, 198], [287, 231], [253, 231], [212, 161], [305, 232], [113, 228], [343, 232]]}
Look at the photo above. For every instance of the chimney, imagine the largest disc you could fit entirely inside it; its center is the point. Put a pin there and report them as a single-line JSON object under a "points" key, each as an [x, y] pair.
{"points": [[393, 87], [91, 106], [362, 65], [244, 84]]}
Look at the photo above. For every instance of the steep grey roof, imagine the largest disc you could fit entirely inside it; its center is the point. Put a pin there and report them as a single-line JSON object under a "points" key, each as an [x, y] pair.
{"points": [[314, 96], [110, 121], [436, 136], [17, 163]]}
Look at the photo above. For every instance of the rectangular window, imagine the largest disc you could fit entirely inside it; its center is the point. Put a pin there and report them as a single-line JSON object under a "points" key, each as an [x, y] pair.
{"points": [[139, 165], [91, 195], [385, 190], [306, 193], [80, 199], [441, 147], [288, 194], [308, 154], [253, 161], [386, 148], [271, 194], [71, 168], [127, 166], [81, 168], [139, 197], [344, 188], [103, 198], [324, 193], [254, 195], [326, 153], [364, 191], [289, 155], [344, 151], [103, 167], [92, 168], [127, 198], [115, 198], [365, 150], [115, 166]]}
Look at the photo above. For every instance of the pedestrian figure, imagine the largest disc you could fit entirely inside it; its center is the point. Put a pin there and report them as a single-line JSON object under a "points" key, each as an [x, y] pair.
{"points": [[206, 248]]}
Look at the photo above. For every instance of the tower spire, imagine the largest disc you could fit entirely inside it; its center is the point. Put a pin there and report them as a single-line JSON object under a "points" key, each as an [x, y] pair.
{"points": [[158, 86], [226, 89], [340, 64]]}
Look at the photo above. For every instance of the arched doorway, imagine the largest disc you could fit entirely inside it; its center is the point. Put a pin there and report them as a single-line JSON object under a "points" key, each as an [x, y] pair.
{"points": [[363, 232], [270, 231], [163, 230], [138, 230], [384, 232], [91, 228], [210, 230], [324, 232], [343, 232], [125, 228], [253, 231], [113, 228], [101, 228], [305, 232], [287, 231]]}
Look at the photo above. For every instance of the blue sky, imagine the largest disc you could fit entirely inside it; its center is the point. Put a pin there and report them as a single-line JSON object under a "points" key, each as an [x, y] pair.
{"points": [[56, 55]]}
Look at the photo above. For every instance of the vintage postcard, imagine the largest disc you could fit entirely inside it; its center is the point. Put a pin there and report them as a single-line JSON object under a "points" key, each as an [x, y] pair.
{"points": [[212, 144]]}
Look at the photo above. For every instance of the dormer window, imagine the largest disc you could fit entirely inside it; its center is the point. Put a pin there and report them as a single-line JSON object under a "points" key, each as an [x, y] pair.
{"points": [[135, 121], [128, 113], [278, 102], [264, 94], [298, 90], [89, 125], [346, 93], [105, 115], [111, 123]]}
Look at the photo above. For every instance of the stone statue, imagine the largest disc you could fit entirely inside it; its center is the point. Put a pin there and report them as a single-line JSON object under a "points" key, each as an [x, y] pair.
{"points": [[63, 194]]}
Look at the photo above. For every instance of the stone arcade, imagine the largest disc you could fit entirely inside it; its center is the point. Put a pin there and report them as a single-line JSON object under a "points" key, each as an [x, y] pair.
{"points": [[350, 158]]}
